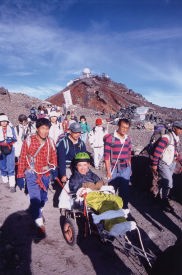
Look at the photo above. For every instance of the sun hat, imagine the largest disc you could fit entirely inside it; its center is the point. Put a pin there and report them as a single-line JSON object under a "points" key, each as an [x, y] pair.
{"points": [[4, 118]]}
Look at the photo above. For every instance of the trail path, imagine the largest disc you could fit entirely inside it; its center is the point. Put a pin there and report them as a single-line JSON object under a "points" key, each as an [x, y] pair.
{"points": [[20, 255]]}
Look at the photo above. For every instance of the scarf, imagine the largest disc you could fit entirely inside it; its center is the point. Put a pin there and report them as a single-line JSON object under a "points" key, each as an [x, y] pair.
{"points": [[9, 133]]}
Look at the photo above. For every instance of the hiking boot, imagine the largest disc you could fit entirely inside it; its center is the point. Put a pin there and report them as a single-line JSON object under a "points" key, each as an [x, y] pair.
{"points": [[12, 189], [40, 233]]}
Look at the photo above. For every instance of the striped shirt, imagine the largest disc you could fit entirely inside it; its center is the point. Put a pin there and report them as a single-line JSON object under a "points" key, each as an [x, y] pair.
{"points": [[112, 148], [160, 148]]}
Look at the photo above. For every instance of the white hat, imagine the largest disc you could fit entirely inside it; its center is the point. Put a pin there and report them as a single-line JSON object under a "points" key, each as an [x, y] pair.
{"points": [[53, 113], [4, 118]]}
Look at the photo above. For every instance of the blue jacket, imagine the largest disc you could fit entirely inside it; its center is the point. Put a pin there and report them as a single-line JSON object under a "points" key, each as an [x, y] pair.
{"points": [[65, 157], [77, 179]]}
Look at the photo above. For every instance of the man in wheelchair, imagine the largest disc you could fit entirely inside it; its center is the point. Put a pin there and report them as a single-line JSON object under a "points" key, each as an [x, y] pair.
{"points": [[82, 175], [81, 179], [98, 203]]}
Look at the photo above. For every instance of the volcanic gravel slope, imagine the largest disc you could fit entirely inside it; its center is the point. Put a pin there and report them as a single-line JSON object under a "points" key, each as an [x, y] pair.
{"points": [[20, 254]]}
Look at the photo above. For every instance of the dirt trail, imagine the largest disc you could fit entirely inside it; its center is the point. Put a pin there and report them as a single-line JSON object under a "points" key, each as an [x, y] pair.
{"points": [[20, 255]]}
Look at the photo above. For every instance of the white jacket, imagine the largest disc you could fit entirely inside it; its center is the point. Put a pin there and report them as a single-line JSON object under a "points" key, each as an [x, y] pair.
{"points": [[22, 130], [55, 131], [96, 136]]}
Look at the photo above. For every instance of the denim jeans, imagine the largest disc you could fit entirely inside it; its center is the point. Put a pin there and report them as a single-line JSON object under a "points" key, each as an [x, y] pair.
{"points": [[166, 175], [7, 164], [120, 181], [84, 137], [38, 196], [98, 155]]}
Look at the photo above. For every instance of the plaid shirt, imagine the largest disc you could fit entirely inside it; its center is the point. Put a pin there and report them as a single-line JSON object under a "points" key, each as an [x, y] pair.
{"points": [[45, 157]]}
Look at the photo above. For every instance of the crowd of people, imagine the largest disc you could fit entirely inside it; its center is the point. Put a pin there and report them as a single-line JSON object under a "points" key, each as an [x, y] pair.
{"points": [[48, 144]]}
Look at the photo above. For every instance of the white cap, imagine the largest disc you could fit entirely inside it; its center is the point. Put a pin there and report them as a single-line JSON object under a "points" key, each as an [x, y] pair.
{"points": [[53, 113], [4, 118]]}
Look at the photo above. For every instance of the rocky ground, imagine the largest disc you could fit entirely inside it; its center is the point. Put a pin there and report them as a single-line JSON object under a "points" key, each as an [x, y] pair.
{"points": [[14, 104], [20, 254]]}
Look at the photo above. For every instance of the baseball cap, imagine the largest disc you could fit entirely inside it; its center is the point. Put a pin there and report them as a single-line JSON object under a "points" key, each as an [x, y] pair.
{"points": [[75, 127], [177, 124]]}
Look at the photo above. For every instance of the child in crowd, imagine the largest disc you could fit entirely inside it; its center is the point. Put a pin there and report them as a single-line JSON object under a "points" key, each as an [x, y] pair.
{"points": [[85, 128]]}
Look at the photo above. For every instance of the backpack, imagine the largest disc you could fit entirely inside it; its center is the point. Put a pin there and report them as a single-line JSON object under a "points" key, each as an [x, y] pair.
{"points": [[25, 134], [159, 131], [64, 138]]}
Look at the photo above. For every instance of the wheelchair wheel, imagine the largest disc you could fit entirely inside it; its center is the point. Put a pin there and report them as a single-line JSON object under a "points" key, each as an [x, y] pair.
{"points": [[70, 231]]}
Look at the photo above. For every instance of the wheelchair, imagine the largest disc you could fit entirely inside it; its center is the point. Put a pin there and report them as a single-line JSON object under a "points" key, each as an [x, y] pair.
{"points": [[79, 220]]}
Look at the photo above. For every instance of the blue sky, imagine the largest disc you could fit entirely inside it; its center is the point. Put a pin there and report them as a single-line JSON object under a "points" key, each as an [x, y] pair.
{"points": [[46, 43]]}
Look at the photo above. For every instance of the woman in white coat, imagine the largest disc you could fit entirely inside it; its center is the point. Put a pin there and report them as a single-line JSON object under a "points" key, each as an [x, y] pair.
{"points": [[56, 128]]}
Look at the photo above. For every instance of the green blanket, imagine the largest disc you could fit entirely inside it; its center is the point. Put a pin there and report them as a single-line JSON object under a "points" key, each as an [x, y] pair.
{"points": [[101, 202]]}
